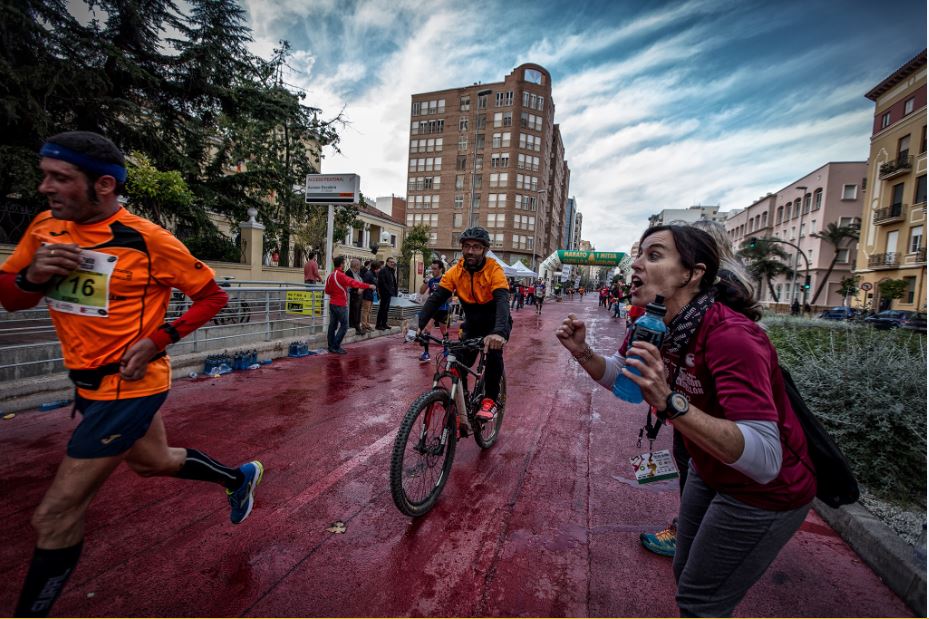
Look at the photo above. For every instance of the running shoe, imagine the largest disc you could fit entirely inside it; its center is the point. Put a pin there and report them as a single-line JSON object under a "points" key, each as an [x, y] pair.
{"points": [[242, 499], [424, 358], [488, 410], [662, 543]]}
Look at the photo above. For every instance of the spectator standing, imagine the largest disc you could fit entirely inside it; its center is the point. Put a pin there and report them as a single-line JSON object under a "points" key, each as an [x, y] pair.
{"points": [[311, 270], [337, 285], [367, 295], [795, 308], [530, 294], [386, 288], [716, 379], [113, 341], [440, 318], [354, 298]]}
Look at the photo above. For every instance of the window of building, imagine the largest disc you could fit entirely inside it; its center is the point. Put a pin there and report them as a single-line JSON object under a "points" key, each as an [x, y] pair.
{"points": [[500, 160], [849, 222], [496, 220], [478, 180], [463, 143], [461, 162], [922, 141], [910, 293], [475, 204], [481, 122], [459, 181], [499, 179], [892, 238], [916, 239], [530, 142], [463, 123], [764, 219], [919, 197], [479, 141], [849, 192], [501, 140], [417, 108], [534, 102], [464, 104], [817, 199], [496, 239], [896, 198], [780, 215], [533, 76], [903, 148], [885, 120], [807, 201], [530, 121], [498, 120], [457, 220], [504, 98], [482, 102], [478, 162], [459, 201], [909, 105], [842, 256]]}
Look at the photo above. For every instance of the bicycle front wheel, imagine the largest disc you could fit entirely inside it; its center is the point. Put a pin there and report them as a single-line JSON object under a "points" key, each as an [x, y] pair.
{"points": [[423, 453], [486, 432]]}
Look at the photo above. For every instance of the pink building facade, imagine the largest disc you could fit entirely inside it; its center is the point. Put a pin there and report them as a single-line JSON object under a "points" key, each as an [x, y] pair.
{"points": [[832, 193]]}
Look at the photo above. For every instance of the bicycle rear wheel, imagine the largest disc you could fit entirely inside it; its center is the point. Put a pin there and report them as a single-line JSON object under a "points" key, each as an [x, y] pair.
{"points": [[423, 453], [486, 432]]}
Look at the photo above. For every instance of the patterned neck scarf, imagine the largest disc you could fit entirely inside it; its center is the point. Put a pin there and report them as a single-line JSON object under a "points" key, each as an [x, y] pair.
{"points": [[683, 326]]}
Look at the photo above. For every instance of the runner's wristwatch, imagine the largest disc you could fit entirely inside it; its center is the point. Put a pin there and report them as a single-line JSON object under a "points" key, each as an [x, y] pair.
{"points": [[675, 406]]}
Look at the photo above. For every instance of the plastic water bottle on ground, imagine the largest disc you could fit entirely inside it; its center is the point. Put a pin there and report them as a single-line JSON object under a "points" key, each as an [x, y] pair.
{"points": [[47, 406], [649, 328]]}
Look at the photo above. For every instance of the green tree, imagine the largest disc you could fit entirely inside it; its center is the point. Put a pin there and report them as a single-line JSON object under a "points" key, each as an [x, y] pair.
{"points": [[892, 289], [849, 286], [160, 196], [764, 262], [311, 233], [837, 236], [416, 239]]}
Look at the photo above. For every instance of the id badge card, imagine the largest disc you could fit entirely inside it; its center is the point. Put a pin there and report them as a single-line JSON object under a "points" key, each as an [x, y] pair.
{"points": [[86, 290], [654, 466]]}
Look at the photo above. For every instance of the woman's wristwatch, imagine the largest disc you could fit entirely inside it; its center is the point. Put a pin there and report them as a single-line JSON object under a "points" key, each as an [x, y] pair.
{"points": [[675, 406]]}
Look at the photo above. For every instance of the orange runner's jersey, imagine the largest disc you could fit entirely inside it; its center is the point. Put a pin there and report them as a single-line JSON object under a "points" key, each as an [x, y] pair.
{"points": [[475, 288], [99, 313]]}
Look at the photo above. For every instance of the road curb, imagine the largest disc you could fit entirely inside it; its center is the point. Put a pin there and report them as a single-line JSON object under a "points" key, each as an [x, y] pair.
{"points": [[882, 549], [26, 394]]}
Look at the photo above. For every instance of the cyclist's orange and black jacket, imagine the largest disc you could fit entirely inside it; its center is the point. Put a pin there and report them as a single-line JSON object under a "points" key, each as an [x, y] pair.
{"points": [[483, 294], [147, 262]]}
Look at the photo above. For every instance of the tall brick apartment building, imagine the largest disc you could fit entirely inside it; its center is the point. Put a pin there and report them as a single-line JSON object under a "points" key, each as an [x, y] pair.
{"points": [[490, 155]]}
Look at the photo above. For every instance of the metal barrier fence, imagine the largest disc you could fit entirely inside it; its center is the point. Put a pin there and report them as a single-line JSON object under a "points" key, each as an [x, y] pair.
{"points": [[257, 311]]}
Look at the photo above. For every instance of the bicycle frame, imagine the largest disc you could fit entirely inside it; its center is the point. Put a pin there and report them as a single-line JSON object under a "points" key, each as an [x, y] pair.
{"points": [[455, 371]]}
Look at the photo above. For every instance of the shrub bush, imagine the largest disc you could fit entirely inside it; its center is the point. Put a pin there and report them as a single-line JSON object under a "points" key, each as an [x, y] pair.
{"points": [[868, 387]]}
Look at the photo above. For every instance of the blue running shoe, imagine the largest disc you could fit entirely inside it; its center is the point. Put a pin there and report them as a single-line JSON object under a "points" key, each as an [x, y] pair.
{"points": [[424, 358], [663, 543], [242, 500]]}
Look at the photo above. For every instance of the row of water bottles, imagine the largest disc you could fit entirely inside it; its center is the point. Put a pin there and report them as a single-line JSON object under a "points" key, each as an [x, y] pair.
{"points": [[217, 365], [298, 349]]}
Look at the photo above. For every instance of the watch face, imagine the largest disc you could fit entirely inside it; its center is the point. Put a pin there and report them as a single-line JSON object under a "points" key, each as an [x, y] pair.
{"points": [[679, 403]]}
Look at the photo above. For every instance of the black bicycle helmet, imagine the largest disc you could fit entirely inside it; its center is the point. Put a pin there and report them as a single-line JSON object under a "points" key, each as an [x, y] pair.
{"points": [[476, 234]]}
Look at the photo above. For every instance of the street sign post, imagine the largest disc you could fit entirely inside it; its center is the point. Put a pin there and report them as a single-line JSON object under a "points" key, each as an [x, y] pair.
{"points": [[331, 189]]}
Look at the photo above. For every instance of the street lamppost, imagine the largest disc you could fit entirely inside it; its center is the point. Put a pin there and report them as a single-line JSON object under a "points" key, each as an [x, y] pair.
{"points": [[793, 283], [477, 112]]}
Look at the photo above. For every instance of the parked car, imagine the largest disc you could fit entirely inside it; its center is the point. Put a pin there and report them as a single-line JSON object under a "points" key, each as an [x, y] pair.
{"points": [[838, 313], [916, 322], [888, 319]]}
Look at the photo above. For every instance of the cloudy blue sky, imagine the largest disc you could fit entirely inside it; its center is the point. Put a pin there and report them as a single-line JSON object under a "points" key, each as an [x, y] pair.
{"points": [[661, 104]]}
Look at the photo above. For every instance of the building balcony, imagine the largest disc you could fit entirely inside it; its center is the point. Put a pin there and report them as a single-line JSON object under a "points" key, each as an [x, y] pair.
{"points": [[891, 214], [884, 261], [892, 169]]}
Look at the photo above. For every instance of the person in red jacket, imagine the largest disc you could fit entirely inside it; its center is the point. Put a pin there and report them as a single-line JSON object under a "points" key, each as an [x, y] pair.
{"points": [[107, 277], [337, 285]]}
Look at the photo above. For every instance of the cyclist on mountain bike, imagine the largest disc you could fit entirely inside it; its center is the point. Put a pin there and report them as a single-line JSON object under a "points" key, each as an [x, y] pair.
{"points": [[483, 292]]}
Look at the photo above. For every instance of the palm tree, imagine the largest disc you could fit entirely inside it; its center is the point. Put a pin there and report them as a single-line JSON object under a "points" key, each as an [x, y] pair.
{"points": [[765, 262], [836, 235]]}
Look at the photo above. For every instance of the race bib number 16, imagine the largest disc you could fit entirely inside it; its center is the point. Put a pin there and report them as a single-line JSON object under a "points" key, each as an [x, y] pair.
{"points": [[86, 291]]}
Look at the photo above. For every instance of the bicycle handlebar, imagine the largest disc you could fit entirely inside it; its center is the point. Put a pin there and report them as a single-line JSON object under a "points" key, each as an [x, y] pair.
{"points": [[474, 343]]}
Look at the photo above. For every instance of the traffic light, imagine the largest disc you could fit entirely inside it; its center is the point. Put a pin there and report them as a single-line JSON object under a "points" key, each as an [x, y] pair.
{"points": [[806, 283], [752, 242]]}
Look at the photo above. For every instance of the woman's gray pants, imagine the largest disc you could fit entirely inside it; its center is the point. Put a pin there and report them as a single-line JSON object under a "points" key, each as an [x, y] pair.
{"points": [[723, 547]]}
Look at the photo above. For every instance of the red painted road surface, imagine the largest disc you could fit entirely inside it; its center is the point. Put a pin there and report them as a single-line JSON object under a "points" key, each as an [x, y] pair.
{"points": [[546, 523]]}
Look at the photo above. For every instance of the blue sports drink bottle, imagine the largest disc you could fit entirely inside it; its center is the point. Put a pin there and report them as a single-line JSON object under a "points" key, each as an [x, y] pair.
{"points": [[649, 328]]}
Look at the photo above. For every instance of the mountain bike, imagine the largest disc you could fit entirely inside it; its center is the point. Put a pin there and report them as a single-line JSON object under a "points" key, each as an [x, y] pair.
{"points": [[425, 445]]}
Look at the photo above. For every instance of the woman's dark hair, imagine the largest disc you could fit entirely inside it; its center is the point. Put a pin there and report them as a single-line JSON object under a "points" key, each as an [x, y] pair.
{"points": [[694, 246]]}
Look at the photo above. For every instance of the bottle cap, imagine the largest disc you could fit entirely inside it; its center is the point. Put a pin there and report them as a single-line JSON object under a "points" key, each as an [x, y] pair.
{"points": [[657, 306]]}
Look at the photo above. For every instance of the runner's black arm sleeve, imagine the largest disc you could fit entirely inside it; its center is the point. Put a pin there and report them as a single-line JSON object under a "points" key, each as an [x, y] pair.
{"points": [[436, 300], [502, 314]]}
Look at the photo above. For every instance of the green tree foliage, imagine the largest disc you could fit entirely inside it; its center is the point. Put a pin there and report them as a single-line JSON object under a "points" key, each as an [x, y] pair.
{"points": [[199, 103], [765, 262], [416, 239], [311, 233], [160, 196], [892, 289], [849, 286], [837, 236]]}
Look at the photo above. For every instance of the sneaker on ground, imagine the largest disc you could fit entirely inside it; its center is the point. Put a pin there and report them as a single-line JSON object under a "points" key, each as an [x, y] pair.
{"points": [[488, 410], [662, 543], [424, 358], [242, 499]]}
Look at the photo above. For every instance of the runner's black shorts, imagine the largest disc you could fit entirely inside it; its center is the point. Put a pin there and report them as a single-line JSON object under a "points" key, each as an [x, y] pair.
{"points": [[111, 427]]}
